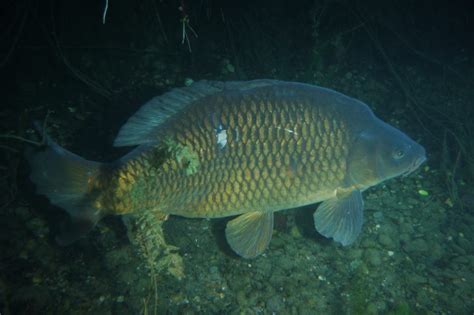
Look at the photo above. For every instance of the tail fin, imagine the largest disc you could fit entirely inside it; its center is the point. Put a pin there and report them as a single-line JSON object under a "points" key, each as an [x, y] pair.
{"points": [[66, 179]]}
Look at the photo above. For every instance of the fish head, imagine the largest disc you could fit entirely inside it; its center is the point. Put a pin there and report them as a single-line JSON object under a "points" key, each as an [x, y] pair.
{"points": [[383, 152]]}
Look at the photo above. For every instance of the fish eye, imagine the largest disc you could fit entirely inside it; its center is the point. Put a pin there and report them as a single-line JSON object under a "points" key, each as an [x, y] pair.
{"points": [[398, 154]]}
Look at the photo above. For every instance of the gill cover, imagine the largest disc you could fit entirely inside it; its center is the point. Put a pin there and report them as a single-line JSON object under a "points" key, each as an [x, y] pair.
{"points": [[362, 161], [382, 152]]}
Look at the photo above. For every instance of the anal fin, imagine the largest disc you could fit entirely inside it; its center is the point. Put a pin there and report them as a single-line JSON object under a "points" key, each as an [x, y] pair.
{"points": [[249, 234]]}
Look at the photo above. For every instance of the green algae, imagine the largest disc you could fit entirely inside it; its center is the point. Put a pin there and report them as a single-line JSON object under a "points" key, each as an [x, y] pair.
{"points": [[401, 308], [183, 155], [360, 292]]}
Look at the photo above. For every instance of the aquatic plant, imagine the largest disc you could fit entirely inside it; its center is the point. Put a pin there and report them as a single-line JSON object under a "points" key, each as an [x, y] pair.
{"points": [[145, 231]]}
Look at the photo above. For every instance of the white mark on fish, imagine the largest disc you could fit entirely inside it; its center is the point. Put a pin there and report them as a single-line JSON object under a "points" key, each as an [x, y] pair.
{"points": [[221, 135], [288, 130]]}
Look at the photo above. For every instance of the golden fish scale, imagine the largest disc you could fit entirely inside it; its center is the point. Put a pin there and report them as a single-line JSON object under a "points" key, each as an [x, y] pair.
{"points": [[279, 154], [122, 189]]}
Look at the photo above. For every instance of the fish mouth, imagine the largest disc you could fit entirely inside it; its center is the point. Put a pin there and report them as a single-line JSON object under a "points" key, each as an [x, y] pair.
{"points": [[414, 166]]}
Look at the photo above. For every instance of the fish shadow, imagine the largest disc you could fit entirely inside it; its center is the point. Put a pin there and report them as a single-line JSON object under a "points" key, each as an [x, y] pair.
{"points": [[305, 224], [218, 231]]}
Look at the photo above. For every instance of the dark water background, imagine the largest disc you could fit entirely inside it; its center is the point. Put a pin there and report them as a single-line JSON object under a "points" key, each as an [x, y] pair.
{"points": [[411, 61]]}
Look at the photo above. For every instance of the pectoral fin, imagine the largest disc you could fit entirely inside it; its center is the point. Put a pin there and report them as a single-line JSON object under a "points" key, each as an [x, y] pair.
{"points": [[341, 217], [249, 234]]}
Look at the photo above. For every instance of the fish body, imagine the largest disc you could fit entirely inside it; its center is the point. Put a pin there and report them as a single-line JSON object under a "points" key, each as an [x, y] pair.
{"points": [[218, 149]]}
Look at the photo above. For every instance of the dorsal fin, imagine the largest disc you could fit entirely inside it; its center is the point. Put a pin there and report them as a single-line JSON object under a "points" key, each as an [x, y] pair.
{"points": [[144, 125]]}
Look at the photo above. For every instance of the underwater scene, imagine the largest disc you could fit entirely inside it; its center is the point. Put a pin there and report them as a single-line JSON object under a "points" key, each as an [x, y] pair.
{"points": [[237, 157]]}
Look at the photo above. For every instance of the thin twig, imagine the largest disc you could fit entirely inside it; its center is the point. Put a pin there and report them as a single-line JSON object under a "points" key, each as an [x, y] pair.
{"points": [[105, 11], [15, 40], [54, 42], [7, 148], [420, 53], [185, 36], [409, 96], [26, 140], [158, 17], [14, 137]]}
